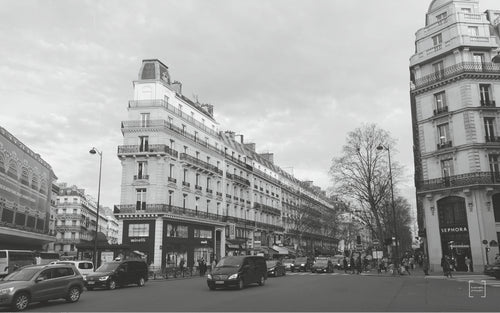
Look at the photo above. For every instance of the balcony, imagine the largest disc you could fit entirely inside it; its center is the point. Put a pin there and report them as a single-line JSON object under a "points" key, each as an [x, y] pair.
{"points": [[210, 191], [266, 209], [492, 139], [141, 177], [218, 194], [238, 179], [67, 241], [165, 208], [199, 164], [444, 145], [455, 70], [462, 180], [236, 198], [198, 187], [186, 184], [239, 162], [487, 103], [172, 180], [440, 110], [138, 150]]}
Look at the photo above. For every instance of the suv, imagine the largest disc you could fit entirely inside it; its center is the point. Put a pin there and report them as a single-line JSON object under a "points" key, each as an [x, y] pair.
{"points": [[40, 283], [238, 271], [84, 267], [118, 273]]}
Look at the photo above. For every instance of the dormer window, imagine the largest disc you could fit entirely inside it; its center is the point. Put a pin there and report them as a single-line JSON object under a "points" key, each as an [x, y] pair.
{"points": [[437, 40], [441, 16]]}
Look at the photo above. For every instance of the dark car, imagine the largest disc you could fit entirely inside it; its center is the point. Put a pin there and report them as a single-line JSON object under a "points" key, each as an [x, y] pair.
{"points": [[275, 268], [238, 271], [301, 264], [288, 263], [118, 273], [40, 283], [322, 266], [493, 270]]}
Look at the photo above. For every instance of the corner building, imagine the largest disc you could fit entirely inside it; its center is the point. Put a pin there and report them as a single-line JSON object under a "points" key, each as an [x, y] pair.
{"points": [[455, 89], [188, 190]]}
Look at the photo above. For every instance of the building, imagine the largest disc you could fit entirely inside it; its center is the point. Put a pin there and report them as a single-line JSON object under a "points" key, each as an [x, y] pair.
{"points": [[455, 118], [76, 220], [25, 196], [191, 191]]}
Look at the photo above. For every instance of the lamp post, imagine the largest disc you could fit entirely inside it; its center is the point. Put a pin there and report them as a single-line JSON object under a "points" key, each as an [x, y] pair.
{"points": [[380, 147], [94, 257]]}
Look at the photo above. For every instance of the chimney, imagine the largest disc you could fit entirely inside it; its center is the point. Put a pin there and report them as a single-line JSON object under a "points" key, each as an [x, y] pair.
{"points": [[250, 146], [268, 156], [177, 86], [241, 138]]}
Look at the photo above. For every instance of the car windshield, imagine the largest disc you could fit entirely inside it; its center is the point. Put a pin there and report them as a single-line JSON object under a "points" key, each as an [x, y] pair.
{"points": [[229, 262], [288, 261], [23, 274], [321, 262], [107, 267], [271, 263], [301, 260]]}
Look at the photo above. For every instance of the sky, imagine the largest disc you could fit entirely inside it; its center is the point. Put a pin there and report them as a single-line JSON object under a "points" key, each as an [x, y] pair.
{"points": [[292, 76]]}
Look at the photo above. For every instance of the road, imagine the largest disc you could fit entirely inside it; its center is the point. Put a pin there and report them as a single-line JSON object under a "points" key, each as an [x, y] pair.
{"points": [[296, 292]]}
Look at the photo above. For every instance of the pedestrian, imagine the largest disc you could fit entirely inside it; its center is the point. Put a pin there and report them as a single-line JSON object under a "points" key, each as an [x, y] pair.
{"points": [[214, 263], [359, 265], [181, 266], [468, 264], [411, 260], [425, 265], [353, 264], [445, 264], [385, 260], [406, 266], [345, 264]]}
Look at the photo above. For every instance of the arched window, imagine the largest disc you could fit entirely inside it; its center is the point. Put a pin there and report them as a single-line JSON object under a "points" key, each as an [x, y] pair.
{"points": [[2, 163], [24, 177], [34, 182], [12, 171]]}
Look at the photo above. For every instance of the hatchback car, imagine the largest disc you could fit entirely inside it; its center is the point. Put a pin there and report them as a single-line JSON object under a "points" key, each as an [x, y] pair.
{"points": [[84, 267], [40, 283], [238, 271], [275, 268], [322, 266], [301, 264], [288, 263], [118, 273]]}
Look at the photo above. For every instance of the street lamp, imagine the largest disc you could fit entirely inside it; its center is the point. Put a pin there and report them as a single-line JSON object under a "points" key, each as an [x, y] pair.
{"points": [[380, 147], [94, 257]]}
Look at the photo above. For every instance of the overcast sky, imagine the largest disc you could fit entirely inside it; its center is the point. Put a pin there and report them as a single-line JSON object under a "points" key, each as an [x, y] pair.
{"points": [[292, 76]]}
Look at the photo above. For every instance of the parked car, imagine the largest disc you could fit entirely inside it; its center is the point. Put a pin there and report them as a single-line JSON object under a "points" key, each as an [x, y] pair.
{"points": [[118, 273], [322, 266], [275, 268], [493, 270], [238, 271], [84, 267], [301, 264], [288, 263], [40, 283]]}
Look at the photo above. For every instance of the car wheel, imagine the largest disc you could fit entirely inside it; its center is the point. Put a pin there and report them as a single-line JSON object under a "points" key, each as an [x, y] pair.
{"points": [[73, 294], [141, 282], [112, 285], [241, 284], [262, 281], [20, 301]]}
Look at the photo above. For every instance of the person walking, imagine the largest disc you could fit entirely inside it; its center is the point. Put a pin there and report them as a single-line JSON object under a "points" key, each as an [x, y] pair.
{"points": [[359, 265], [345, 264], [353, 265], [406, 266], [181, 266], [445, 264], [468, 264], [425, 265]]}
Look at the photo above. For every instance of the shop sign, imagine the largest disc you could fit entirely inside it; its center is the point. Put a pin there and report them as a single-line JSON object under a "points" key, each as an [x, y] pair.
{"points": [[232, 231], [256, 244], [204, 242], [137, 239], [455, 229]]}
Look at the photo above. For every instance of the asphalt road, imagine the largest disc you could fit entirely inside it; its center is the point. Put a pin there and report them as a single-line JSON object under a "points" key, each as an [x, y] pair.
{"points": [[295, 292]]}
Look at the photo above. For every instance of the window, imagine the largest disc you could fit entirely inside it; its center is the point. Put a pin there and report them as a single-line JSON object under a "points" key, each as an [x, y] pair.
{"points": [[143, 143], [138, 230], [478, 58], [485, 94], [473, 31], [489, 129], [441, 16], [494, 167], [466, 10], [202, 233], [443, 133], [179, 231], [144, 119], [447, 167], [183, 129], [437, 40], [438, 68], [142, 169], [141, 199], [171, 170]]}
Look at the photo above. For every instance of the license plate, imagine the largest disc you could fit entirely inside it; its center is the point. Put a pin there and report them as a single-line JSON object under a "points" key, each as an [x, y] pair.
{"points": [[90, 282], [219, 282]]}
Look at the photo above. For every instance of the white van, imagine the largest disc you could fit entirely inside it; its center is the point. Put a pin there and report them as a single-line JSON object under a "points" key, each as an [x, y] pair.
{"points": [[84, 267]]}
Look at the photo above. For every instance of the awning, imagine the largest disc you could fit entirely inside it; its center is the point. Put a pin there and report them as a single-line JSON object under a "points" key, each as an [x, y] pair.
{"points": [[280, 250], [233, 245]]}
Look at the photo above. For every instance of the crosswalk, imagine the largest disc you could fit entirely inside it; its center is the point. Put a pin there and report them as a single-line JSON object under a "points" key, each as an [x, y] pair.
{"points": [[473, 279], [309, 273]]}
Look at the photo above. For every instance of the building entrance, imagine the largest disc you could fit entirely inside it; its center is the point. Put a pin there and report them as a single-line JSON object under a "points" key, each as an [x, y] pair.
{"points": [[454, 231]]}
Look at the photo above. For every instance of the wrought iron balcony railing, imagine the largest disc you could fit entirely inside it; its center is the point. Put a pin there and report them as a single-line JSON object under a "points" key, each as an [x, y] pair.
{"points": [[172, 180], [266, 209], [492, 138], [146, 149], [462, 180], [165, 208], [186, 184], [487, 103], [198, 162], [139, 177], [444, 145], [441, 110]]}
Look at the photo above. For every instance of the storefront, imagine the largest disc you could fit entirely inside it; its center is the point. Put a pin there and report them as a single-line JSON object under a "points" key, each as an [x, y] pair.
{"points": [[139, 236]]}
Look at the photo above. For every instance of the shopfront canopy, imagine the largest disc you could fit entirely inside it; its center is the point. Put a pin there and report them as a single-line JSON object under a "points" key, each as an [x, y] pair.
{"points": [[281, 250]]}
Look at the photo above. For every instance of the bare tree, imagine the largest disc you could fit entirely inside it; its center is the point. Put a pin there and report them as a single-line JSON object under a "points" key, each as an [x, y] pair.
{"points": [[361, 174]]}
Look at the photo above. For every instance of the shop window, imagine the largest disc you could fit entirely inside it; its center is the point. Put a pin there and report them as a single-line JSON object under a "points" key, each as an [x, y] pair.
{"points": [[202, 233], [179, 231], [138, 230]]}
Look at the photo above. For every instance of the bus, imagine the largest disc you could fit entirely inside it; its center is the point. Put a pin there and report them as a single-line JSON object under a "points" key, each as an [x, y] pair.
{"points": [[47, 257], [11, 260]]}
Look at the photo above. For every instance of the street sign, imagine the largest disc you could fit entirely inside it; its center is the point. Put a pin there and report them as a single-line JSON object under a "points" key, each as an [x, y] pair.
{"points": [[375, 242]]}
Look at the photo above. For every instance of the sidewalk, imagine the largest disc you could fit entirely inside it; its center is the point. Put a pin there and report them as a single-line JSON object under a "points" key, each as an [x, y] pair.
{"points": [[418, 272]]}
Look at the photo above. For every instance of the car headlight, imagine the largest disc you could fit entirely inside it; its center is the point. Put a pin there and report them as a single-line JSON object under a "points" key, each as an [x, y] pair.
{"points": [[271, 269], [234, 276], [209, 276], [302, 265], [6, 291], [496, 268], [103, 278]]}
